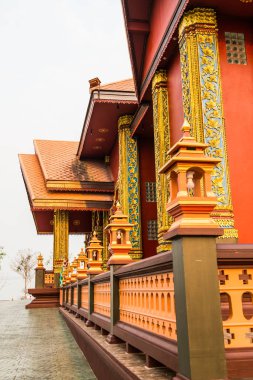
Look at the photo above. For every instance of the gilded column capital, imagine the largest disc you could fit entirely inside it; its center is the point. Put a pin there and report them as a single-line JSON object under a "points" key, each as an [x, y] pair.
{"points": [[159, 80], [125, 121], [198, 17]]}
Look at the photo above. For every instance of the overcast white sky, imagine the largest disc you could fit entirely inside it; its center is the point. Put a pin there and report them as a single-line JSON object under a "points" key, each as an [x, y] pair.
{"points": [[49, 51]]}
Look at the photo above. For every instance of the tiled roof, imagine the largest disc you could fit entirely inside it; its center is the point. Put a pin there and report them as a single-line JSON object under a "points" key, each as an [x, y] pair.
{"points": [[41, 198], [124, 85], [59, 162]]}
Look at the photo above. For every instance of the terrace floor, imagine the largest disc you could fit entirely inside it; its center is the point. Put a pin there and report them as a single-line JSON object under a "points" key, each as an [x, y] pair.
{"points": [[37, 344]]}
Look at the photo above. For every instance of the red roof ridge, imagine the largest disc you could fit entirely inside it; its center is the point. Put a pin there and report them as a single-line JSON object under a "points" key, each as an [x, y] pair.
{"points": [[117, 81], [58, 141], [126, 85]]}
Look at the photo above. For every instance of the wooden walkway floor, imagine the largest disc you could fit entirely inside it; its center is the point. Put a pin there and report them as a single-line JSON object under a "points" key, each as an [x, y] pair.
{"points": [[135, 363]]}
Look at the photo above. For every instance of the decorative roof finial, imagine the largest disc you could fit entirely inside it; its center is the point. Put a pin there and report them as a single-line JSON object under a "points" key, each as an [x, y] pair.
{"points": [[186, 128], [118, 209]]}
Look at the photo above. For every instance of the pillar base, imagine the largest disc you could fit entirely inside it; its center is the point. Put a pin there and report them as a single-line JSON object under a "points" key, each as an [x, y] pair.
{"points": [[44, 298], [112, 339], [201, 353], [163, 247], [89, 323]]}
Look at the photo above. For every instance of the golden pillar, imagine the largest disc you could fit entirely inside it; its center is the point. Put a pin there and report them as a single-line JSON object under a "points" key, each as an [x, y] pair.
{"points": [[128, 182], [162, 145], [202, 100], [61, 238]]}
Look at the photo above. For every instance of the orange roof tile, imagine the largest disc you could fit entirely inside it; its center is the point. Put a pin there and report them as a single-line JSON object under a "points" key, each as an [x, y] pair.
{"points": [[41, 198], [123, 85], [59, 162]]}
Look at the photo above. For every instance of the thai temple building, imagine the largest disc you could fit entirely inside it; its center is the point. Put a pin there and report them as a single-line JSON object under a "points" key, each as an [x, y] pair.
{"points": [[159, 185]]}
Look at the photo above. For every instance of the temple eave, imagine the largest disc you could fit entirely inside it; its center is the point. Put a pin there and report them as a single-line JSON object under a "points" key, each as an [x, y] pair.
{"points": [[82, 185], [61, 205]]}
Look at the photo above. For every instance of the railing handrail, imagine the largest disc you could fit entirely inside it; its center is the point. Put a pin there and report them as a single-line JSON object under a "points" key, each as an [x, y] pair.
{"points": [[155, 264], [103, 277]]}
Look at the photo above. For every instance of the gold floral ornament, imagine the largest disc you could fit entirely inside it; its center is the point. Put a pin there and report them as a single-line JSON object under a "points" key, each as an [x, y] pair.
{"points": [[202, 99]]}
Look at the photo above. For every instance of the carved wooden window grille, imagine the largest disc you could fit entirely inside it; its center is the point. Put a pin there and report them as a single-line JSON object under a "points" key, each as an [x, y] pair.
{"points": [[150, 191], [152, 229], [235, 48]]}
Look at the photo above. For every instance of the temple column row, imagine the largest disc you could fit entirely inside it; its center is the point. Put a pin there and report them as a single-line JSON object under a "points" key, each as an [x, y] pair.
{"points": [[61, 237], [202, 103], [203, 109]]}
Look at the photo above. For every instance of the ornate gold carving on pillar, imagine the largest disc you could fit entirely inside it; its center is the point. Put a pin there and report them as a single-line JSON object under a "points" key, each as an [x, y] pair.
{"points": [[105, 239], [128, 182], [202, 100], [162, 145], [61, 238]]}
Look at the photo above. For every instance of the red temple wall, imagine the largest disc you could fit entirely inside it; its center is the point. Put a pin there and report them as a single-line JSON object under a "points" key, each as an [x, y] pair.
{"points": [[114, 160], [237, 89], [162, 12], [176, 112], [148, 209]]}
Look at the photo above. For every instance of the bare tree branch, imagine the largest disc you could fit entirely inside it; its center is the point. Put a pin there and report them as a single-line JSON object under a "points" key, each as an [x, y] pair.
{"points": [[23, 264], [2, 254]]}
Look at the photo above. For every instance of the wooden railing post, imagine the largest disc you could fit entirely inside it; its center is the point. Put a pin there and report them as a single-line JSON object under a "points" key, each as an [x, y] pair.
{"points": [[79, 295], [89, 323], [114, 304], [201, 353], [39, 278], [63, 296], [71, 295], [40, 273]]}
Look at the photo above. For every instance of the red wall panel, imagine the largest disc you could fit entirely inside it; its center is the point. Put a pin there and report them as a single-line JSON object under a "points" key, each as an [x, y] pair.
{"points": [[114, 160], [237, 88], [148, 209]]}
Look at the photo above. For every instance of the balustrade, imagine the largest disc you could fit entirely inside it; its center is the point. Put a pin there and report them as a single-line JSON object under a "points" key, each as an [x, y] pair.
{"points": [[102, 298], [84, 297], [236, 286], [148, 302], [61, 297], [75, 299]]}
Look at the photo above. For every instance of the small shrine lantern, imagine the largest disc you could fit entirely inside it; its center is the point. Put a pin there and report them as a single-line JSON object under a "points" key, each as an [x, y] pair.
{"points": [[119, 238], [40, 273], [82, 265], [94, 253], [191, 197], [40, 262], [73, 266]]}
